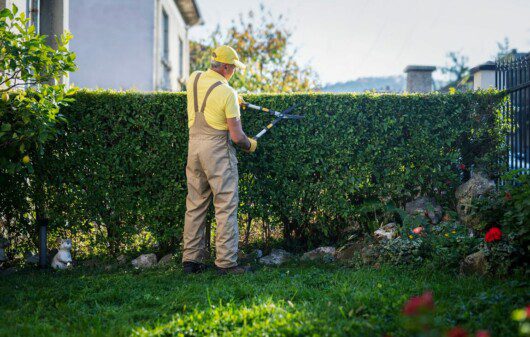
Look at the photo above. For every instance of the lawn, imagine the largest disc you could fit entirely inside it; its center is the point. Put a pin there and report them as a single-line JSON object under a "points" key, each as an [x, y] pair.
{"points": [[287, 301]]}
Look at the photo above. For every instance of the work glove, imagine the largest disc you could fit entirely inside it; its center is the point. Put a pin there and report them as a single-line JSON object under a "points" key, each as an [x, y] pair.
{"points": [[253, 145]]}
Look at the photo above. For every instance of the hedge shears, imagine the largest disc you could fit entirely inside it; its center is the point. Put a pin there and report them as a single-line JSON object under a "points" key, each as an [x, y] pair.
{"points": [[285, 114]]}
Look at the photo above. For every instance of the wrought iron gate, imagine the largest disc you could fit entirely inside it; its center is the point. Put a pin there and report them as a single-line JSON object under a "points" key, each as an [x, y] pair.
{"points": [[513, 75]]}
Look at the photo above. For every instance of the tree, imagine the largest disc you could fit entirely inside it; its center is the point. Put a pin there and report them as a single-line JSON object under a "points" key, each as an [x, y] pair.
{"points": [[30, 75], [32, 93], [458, 67], [503, 48], [263, 44]]}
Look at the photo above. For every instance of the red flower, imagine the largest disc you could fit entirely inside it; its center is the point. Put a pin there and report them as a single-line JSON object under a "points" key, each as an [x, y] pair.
{"points": [[482, 333], [417, 230], [507, 196], [462, 167], [528, 311], [419, 304], [494, 234], [457, 332]]}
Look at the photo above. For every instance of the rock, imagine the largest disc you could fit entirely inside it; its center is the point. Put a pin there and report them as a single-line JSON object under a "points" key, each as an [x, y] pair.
{"points": [[8, 271], [348, 251], [369, 254], [387, 232], [165, 260], [251, 257], [32, 259], [4, 243], [321, 253], [478, 185], [144, 261], [121, 260], [276, 257], [425, 206], [474, 264]]}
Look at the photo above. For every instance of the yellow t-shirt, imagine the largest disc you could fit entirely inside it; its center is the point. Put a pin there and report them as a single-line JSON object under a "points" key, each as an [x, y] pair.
{"points": [[222, 102]]}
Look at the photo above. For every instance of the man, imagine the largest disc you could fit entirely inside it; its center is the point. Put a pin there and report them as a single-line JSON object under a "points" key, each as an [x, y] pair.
{"points": [[213, 120]]}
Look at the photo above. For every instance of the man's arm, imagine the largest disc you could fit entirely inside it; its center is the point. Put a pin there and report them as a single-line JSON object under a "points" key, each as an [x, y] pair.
{"points": [[238, 136]]}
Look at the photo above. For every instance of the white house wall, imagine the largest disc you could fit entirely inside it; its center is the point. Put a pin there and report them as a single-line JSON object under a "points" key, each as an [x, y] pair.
{"points": [[177, 29], [113, 41]]}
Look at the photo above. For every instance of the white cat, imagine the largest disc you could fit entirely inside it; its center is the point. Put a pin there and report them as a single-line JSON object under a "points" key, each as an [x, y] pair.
{"points": [[63, 258]]}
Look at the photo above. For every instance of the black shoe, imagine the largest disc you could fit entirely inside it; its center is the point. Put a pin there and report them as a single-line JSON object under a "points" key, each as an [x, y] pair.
{"points": [[236, 270], [193, 267]]}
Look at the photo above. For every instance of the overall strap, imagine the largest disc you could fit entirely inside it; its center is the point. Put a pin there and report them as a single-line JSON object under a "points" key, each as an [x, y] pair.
{"points": [[195, 99], [210, 89]]}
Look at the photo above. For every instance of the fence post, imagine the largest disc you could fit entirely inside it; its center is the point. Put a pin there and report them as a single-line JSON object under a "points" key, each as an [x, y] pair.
{"points": [[483, 76]]}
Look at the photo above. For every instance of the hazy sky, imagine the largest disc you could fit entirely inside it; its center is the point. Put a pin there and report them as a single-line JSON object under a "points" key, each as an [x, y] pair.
{"points": [[347, 39]]}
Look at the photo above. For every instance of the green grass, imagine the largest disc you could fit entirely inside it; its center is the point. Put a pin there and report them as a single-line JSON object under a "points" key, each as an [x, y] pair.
{"points": [[289, 301]]}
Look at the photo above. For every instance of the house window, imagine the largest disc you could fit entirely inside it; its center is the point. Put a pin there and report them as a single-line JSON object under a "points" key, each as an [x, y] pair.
{"points": [[181, 58], [166, 68], [165, 36]]}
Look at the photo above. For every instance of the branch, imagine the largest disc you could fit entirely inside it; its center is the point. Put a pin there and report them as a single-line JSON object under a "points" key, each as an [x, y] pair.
{"points": [[10, 78]]}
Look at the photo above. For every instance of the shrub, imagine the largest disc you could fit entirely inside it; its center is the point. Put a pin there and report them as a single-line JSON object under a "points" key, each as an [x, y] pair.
{"points": [[120, 163], [318, 174], [505, 215], [451, 243], [120, 167]]}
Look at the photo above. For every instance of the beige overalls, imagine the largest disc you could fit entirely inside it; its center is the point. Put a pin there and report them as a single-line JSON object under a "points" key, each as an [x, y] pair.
{"points": [[211, 169]]}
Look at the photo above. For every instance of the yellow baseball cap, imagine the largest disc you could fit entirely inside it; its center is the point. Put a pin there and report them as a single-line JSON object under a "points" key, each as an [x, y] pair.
{"points": [[228, 55]]}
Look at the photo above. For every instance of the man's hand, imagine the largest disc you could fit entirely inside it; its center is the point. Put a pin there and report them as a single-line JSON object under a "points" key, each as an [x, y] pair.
{"points": [[240, 99]]}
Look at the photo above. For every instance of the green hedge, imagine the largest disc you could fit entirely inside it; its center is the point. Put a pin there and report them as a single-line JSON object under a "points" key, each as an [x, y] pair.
{"points": [[122, 157]]}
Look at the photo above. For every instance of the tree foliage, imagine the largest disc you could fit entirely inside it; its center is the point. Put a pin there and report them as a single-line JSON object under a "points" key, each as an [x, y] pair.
{"points": [[457, 67], [32, 93], [503, 48], [30, 72], [262, 41]]}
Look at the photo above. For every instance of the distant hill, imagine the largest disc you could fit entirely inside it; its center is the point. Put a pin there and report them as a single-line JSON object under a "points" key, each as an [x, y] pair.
{"points": [[385, 83]]}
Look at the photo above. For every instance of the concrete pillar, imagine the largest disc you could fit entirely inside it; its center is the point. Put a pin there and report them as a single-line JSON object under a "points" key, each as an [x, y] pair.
{"points": [[483, 76], [21, 4], [54, 21], [419, 78]]}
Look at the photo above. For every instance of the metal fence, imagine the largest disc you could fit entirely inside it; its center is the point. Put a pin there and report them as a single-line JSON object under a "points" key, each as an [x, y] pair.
{"points": [[513, 75]]}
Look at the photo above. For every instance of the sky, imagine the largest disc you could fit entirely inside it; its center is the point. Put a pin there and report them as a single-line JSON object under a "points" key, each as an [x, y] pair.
{"points": [[346, 39]]}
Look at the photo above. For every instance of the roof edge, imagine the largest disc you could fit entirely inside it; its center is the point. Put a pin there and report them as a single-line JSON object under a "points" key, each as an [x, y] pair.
{"points": [[190, 12]]}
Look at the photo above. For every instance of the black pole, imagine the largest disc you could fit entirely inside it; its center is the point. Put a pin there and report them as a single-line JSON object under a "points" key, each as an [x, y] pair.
{"points": [[43, 252]]}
